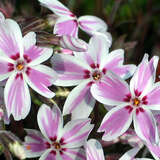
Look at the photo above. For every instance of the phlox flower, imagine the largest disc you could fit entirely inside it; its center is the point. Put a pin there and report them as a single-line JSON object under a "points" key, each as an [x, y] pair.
{"points": [[57, 142], [86, 69], [20, 62], [132, 102], [94, 150], [68, 24]]}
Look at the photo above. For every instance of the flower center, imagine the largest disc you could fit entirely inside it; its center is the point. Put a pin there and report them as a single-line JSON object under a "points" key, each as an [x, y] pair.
{"points": [[136, 102], [56, 145], [96, 75], [20, 66]]}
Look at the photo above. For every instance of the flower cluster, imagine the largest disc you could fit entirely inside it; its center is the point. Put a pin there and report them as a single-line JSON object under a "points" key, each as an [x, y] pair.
{"points": [[98, 74]]}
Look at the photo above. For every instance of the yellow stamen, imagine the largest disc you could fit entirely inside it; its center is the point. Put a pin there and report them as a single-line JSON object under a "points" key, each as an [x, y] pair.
{"points": [[136, 101], [20, 66], [56, 145]]}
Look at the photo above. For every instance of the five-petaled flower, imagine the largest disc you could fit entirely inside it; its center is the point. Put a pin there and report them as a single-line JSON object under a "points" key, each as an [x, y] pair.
{"points": [[86, 69], [67, 23], [57, 142], [134, 102], [20, 62]]}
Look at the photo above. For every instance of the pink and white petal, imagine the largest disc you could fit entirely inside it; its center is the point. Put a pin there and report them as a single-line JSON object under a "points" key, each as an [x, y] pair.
{"points": [[79, 100], [70, 69], [114, 63], [11, 41], [72, 154], [29, 40], [116, 122], [149, 131], [34, 144], [66, 26], [76, 132], [94, 150], [129, 155], [154, 150], [73, 43], [48, 119], [5, 69], [91, 24], [111, 90], [144, 76], [97, 49], [36, 55], [17, 97], [153, 100], [40, 78], [48, 155], [56, 7]]}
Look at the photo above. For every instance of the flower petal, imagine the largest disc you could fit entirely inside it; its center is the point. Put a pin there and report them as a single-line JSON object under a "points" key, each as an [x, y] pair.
{"points": [[2, 18], [36, 55], [91, 24], [97, 49], [17, 97], [94, 150], [129, 155], [66, 26], [114, 63], [48, 119], [73, 154], [153, 100], [39, 78], [147, 132], [6, 67], [79, 100], [34, 143], [155, 150], [57, 7], [11, 41], [116, 122], [29, 40], [70, 69], [76, 132], [144, 76], [111, 90], [73, 44]]}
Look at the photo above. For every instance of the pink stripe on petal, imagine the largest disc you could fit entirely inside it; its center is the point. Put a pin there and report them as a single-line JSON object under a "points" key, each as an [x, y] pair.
{"points": [[111, 90], [76, 132], [147, 132], [17, 97], [115, 123], [40, 78], [49, 119], [66, 27]]}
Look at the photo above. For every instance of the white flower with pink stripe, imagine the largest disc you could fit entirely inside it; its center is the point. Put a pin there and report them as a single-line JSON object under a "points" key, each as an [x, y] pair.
{"points": [[132, 103], [68, 24], [86, 69], [94, 150], [20, 62], [57, 142]]}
